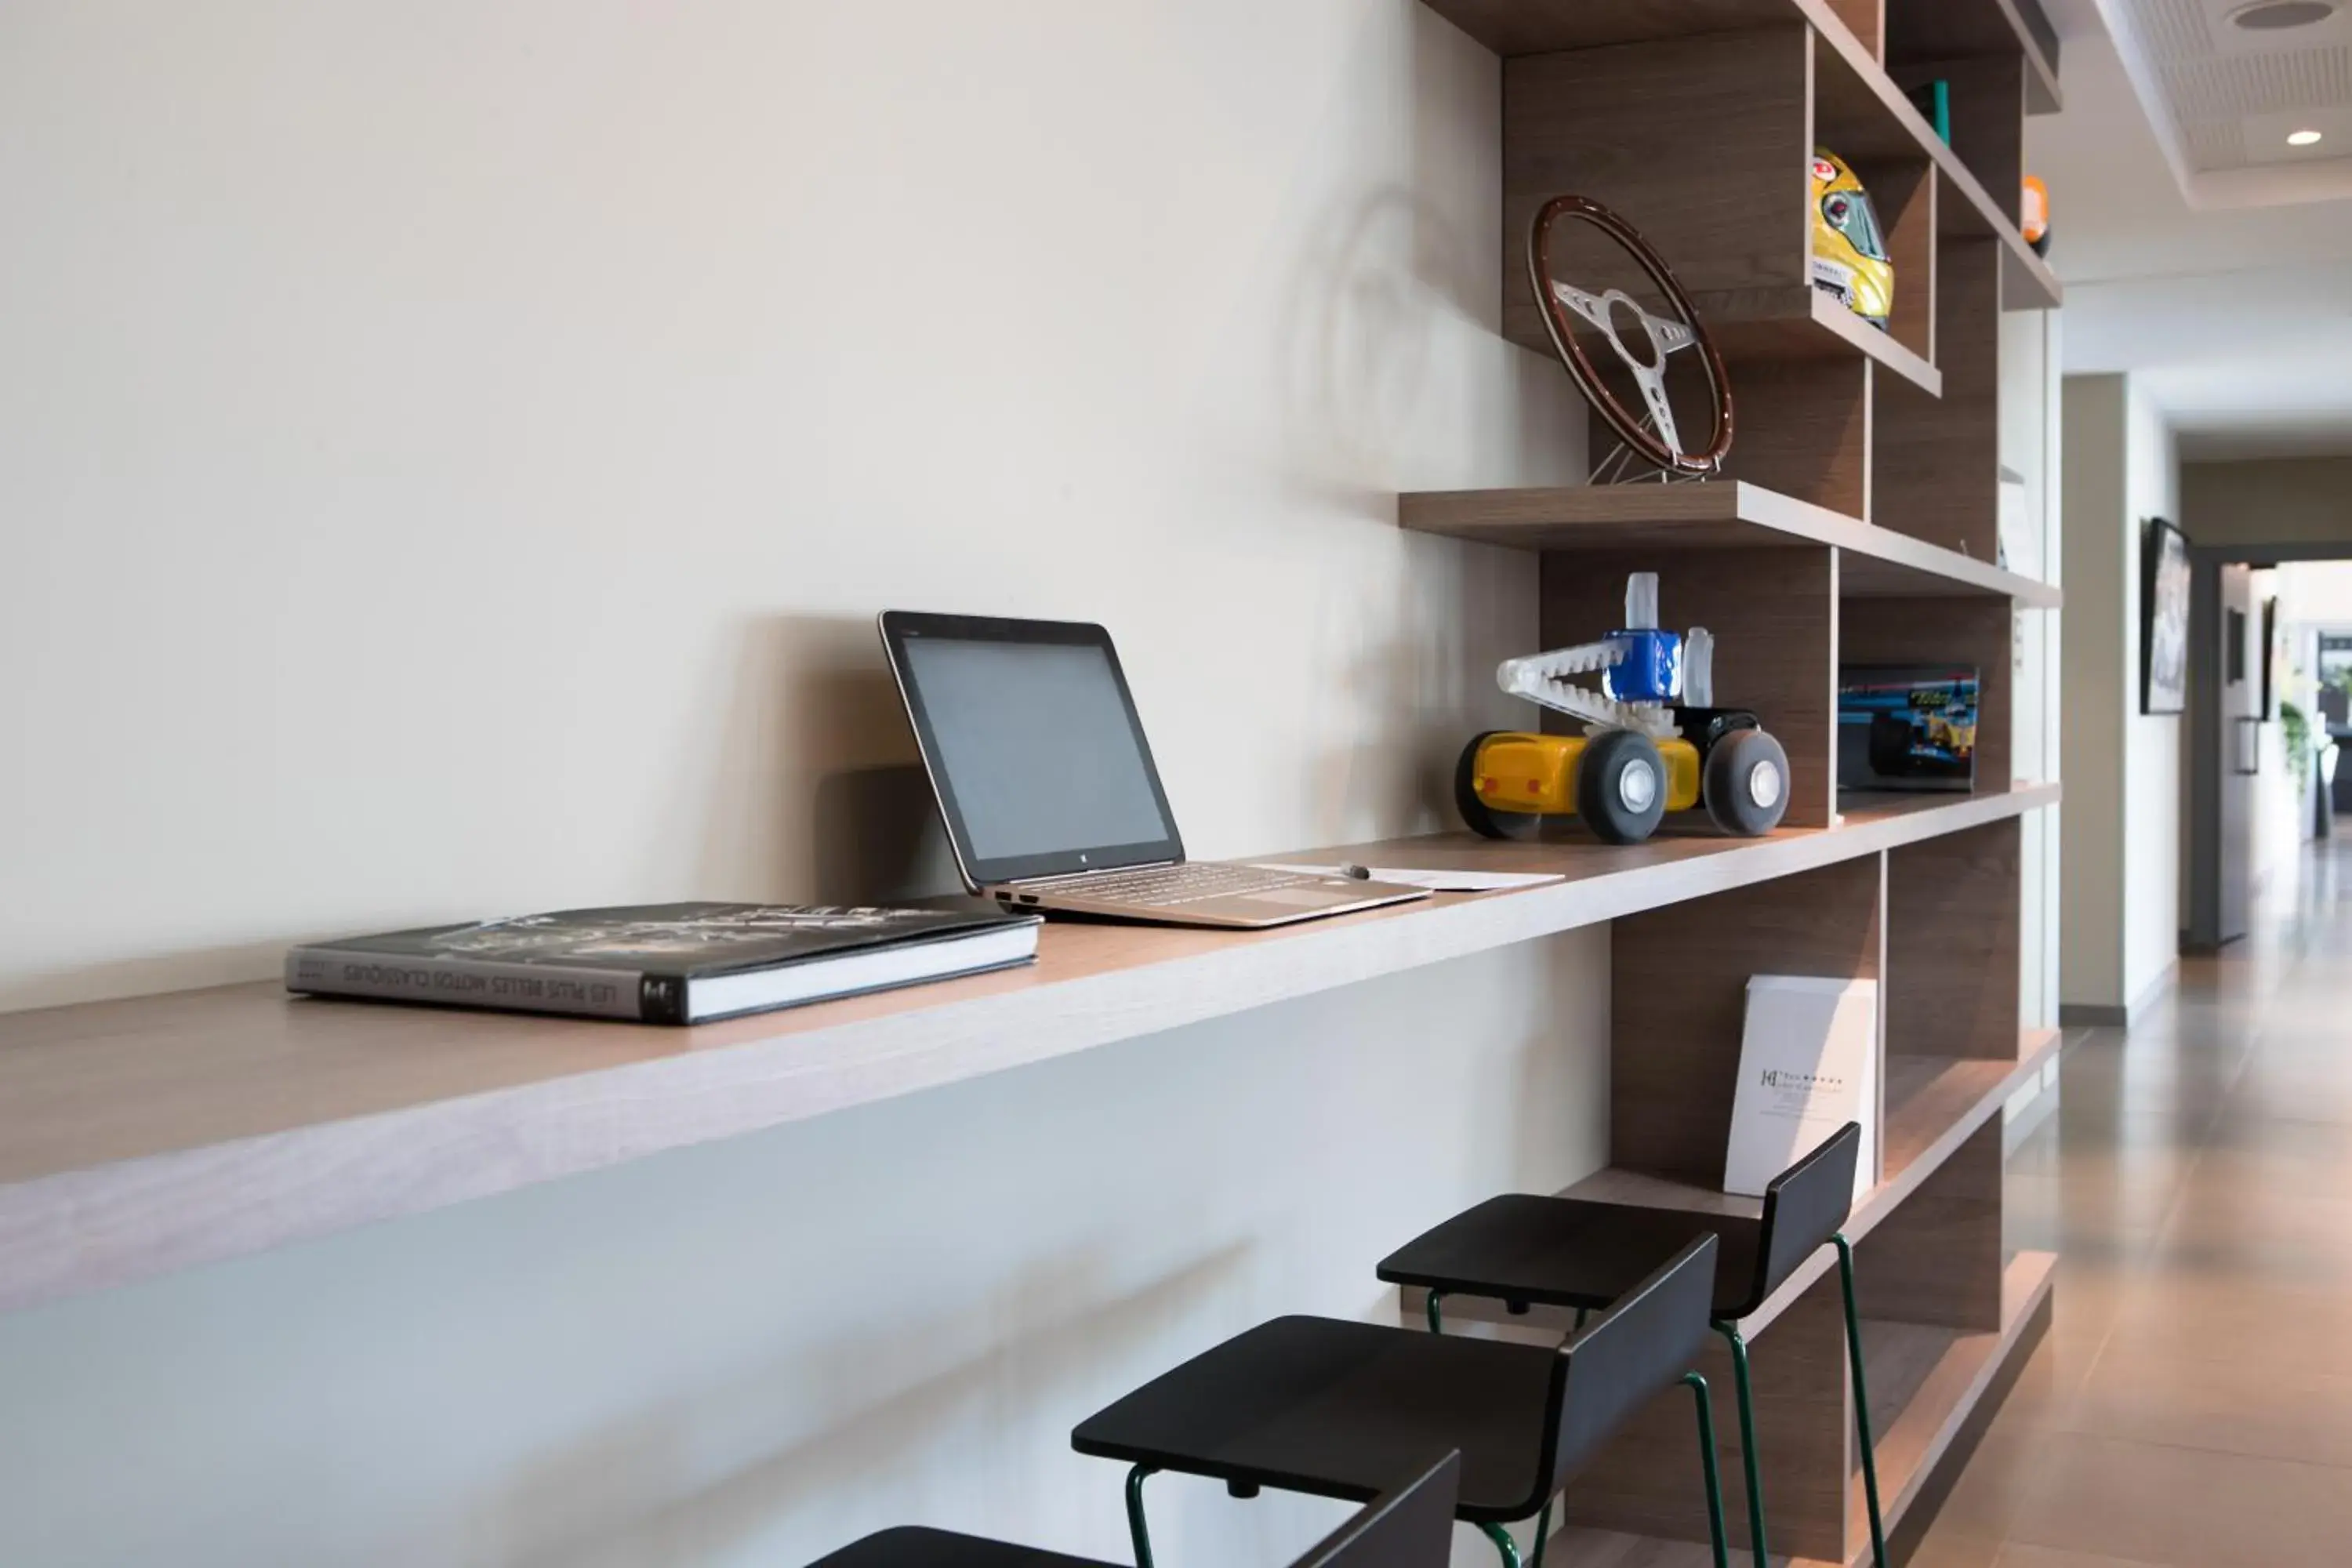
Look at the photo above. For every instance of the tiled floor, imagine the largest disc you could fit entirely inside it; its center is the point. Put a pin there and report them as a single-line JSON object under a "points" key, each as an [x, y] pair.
{"points": [[2192, 1405]]}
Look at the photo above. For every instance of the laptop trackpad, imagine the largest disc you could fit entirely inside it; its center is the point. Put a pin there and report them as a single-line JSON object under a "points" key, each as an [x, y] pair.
{"points": [[1310, 898]]}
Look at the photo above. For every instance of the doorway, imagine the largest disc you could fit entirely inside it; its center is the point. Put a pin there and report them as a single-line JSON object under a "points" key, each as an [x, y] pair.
{"points": [[2269, 681]]}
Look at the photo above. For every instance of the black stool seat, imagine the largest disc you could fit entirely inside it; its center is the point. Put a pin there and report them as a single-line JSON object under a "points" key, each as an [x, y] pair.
{"points": [[1582, 1253], [1569, 1252], [1338, 1409], [913, 1546], [1405, 1526]]}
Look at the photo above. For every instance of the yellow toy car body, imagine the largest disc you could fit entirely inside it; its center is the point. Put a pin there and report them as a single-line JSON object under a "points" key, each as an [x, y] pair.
{"points": [[1652, 741], [1849, 259], [1537, 774]]}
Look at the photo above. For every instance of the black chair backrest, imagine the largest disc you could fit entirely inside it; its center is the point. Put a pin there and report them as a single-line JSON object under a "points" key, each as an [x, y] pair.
{"points": [[1410, 1526], [1645, 1341], [1803, 1207]]}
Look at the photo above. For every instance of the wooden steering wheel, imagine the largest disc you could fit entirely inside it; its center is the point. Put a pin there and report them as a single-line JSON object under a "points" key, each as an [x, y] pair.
{"points": [[1652, 435]]}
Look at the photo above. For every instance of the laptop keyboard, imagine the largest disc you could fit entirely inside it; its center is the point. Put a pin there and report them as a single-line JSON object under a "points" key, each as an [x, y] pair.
{"points": [[1165, 887]]}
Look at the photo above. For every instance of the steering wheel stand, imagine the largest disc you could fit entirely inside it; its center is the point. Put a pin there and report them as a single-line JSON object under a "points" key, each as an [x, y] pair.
{"points": [[1651, 436]]}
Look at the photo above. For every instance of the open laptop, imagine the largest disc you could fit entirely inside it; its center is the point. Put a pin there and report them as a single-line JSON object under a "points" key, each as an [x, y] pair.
{"points": [[1049, 789]]}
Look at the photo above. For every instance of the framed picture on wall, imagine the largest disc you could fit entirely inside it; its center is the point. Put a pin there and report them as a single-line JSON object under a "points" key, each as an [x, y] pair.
{"points": [[2163, 619]]}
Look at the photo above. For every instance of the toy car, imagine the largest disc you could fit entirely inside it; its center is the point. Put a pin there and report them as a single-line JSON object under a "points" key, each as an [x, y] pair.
{"points": [[1654, 742]]}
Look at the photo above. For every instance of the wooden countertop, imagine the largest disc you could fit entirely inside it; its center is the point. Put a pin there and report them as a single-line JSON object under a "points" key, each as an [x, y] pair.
{"points": [[142, 1136]]}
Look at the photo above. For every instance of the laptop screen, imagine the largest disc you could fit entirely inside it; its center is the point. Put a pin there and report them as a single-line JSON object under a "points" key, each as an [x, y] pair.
{"points": [[1033, 745]]}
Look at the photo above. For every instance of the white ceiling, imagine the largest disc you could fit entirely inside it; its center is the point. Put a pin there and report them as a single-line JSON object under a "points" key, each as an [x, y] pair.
{"points": [[2225, 285]]}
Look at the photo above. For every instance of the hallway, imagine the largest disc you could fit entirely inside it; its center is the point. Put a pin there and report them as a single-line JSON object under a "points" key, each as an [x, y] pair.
{"points": [[2192, 1403]]}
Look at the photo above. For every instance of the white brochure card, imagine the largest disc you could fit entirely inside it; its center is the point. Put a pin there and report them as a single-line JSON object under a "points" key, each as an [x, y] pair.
{"points": [[1808, 1065]]}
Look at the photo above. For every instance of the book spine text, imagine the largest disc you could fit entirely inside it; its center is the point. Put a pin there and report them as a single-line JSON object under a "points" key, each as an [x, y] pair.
{"points": [[477, 982]]}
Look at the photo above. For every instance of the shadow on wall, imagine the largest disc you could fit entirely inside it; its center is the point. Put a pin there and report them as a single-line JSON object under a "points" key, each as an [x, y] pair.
{"points": [[817, 794], [813, 794], [1377, 278], [1072, 1325]]}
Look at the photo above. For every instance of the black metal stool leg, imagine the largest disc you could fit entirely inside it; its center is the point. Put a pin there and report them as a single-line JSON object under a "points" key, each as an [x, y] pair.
{"points": [[1753, 1471], [1861, 1400], [1504, 1544], [1138, 1530], [1714, 1476]]}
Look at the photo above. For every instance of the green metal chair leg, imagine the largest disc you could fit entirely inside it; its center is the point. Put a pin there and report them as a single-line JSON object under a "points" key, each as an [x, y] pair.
{"points": [[1437, 1323], [1747, 1458], [1714, 1476], [1503, 1543], [1861, 1401], [1138, 1530], [1543, 1530]]}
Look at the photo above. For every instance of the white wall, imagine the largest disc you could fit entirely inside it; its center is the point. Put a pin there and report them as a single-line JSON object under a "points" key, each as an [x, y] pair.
{"points": [[2032, 425], [450, 456], [2280, 808], [453, 455], [2153, 776], [2122, 851]]}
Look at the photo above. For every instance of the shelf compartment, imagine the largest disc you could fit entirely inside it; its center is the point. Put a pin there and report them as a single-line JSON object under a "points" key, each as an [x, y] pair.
{"points": [[1807, 324], [1703, 143], [1856, 88], [1953, 921], [157, 1133], [1851, 83], [1986, 98], [1930, 1389], [1978, 632], [1774, 615], [1934, 1107], [1942, 1308], [1937, 467], [1940, 1378], [1873, 563], [1932, 31]]}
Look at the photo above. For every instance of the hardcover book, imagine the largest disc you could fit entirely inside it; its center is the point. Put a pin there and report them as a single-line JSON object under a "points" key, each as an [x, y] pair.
{"points": [[665, 964]]}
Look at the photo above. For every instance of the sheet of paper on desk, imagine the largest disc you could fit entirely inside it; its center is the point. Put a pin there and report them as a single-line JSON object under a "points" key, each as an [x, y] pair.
{"points": [[1435, 881]]}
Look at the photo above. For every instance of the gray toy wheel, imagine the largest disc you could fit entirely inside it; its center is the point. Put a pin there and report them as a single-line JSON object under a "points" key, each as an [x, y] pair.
{"points": [[1621, 786], [1745, 783]]}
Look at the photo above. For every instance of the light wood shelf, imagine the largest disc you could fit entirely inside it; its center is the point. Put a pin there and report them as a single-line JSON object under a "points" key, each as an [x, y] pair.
{"points": [[1873, 563], [1934, 1106], [144, 1136], [1807, 325], [1803, 324]]}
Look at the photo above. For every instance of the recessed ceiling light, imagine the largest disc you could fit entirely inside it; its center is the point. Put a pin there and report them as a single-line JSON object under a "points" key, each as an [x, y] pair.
{"points": [[2274, 16], [2302, 138]]}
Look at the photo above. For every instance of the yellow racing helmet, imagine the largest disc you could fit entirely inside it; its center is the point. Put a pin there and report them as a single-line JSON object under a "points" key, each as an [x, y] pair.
{"points": [[1850, 258]]}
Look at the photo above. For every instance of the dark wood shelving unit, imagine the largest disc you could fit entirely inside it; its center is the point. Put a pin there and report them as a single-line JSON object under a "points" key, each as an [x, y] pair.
{"points": [[1857, 522]]}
